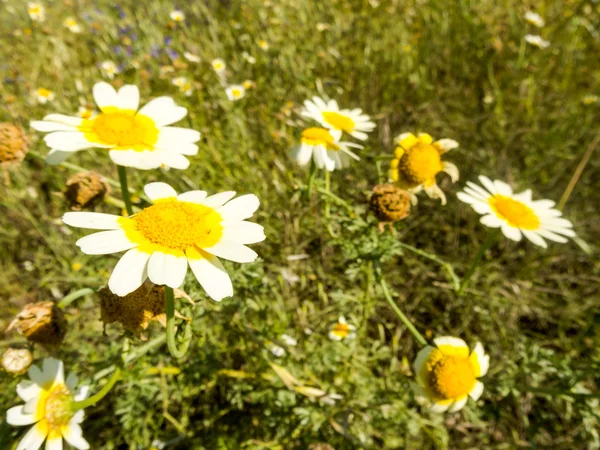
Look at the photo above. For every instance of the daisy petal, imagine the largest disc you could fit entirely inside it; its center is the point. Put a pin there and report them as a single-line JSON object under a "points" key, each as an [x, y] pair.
{"points": [[477, 391], [34, 439], [535, 238], [488, 184], [243, 232], [217, 200], [210, 274], [105, 242], [192, 196], [240, 208], [73, 434], [105, 95], [92, 220], [128, 97], [457, 405], [232, 251], [54, 443], [55, 157], [17, 417], [158, 190], [28, 390], [511, 232], [163, 111], [129, 273], [167, 269]]}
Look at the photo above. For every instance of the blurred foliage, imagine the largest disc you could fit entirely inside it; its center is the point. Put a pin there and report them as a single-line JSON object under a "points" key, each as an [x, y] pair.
{"points": [[457, 69]]}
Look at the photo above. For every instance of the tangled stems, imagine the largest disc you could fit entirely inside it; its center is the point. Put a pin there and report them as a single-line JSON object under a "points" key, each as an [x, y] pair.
{"points": [[76, 406], [485, 245], [187, 337], [388, 296], [124, 190]]}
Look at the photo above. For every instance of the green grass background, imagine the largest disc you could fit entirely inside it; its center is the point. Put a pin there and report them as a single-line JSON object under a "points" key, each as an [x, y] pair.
{"points": [[457, 69]]}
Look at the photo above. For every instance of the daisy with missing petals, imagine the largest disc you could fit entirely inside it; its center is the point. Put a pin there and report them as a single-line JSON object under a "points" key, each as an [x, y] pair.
{"points": [[342, 330], [177, 16], [417, 161], [537, 41], [48, 405], [534, 19], [235, 92], [177, 231], [36, 11], [447, 374], [328, 114], [139, 139], [43, 95], [110, 69], [326, 151], [516, 215], [219, 66]]}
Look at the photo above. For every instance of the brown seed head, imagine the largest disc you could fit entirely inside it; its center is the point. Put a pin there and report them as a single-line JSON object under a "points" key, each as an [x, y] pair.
{"points": [[14, 144], [16, 360], [43, 323], [389, 203], [85, 190]]}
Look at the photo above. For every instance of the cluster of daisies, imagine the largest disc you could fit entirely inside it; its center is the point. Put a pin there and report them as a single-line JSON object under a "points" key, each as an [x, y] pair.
{"points": [[536, 40]]}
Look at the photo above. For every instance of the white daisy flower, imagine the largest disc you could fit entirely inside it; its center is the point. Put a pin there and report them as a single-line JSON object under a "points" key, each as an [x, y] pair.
{"points": [[516, 215], [447, 374], [184, 85], [288, 340], [328, 114], [139, 139], [109, 68], [249, 58], [342, 330], [219, 65], [276, 350], [235, 92], [177, 231], [417, 161], [177, 16], [48, 399], [537, 41], [534, 19], [263, 44], [36, 11], [44, 95], [72, 25], [191, 57], [321, 145]]}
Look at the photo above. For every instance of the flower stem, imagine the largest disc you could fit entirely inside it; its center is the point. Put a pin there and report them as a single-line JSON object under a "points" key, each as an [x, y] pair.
{"points": [[125, 192], [388, 296], [187, 337], [311, 178], [68, 299], [327, 205], [100, 394], [491, 238]]}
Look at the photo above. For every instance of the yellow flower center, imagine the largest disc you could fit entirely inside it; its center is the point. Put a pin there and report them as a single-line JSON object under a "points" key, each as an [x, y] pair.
{"points": [[42, 92], [34, 9], [341, 330], [339, 121], [171, 226], [121, 128], [236, 92], [451, 376], [54, 406], [420, 164], [517, 214], [319, 136]]}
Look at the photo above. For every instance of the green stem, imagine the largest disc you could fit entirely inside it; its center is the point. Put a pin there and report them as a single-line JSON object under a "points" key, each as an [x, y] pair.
{"points": [[388, 296], [134, 354], [125, 192], [327, 205], [187, 337], [100, 394], [311, 178], [67, 300], [491, 238], [447, 266]]}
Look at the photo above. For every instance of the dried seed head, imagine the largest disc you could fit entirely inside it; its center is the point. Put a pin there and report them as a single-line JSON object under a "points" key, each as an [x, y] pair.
{"points": [[85, 190], [43, 323], [14, 144], [16, 360], [389, 203], [136, 310]]}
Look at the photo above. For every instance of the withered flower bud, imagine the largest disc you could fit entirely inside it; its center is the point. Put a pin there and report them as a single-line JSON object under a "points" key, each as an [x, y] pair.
{"points": [[43, 323], [389, 203], [14, 144], [136, 310], [320, 446], [16, 360], [85, 190]]}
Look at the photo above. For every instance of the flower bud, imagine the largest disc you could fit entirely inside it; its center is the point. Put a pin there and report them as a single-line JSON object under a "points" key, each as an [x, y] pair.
{"points": [[85, 190], [43, 323], [389, 203], [14, 144], [16, 360]]}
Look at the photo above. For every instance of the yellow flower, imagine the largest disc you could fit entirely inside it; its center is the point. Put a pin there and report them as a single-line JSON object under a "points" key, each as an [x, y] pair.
{"points": [[342, 330], [235, 92], [263, 44], [177, 16], [219, 65], [324, 148], [447, 374], [184, 85], [72, 25], [417, 161], [44, 95], [36, 11]]}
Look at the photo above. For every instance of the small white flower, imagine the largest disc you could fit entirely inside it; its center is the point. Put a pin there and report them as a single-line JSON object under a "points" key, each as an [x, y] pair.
{"points": [[235, 92], [263, 44], [219, 66], [184, 85], [324, 148], [48, 399], [534, 19], [177, 16], [276, 350], [249, 58], [109, 68], [288, 340], [44, 95], [72, 25], [536, 41], [36, 11], [342, 330], [191, 57]]}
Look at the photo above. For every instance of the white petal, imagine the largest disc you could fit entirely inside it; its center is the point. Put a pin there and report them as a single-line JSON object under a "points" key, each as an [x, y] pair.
{"points": [[458, 405], [16, 416], [217, 200], [438, 408], [421, 359], [54, 444], [74, 436], [502, 188], [478, 189], [36, 375], [302, 154], [158, 190], [212, 276], [173, 136], [129, 273], [63, 119], [524, 197], [82, 393], [92, 220], [167, 269], [477, 391], [53, 369], [67, 141], [434, 191], [551, 236], [511, 232], [55, 157], [232, 251], [174, 160], [492, 221], [28, 390], [451, 170], [559, 230], [163, 111], [105, 242], [545, 204], [182, 149], [79, 416], [451, 341], [558, 222], [243, 232], [192, 197], [104, 95], [72, 381], [240, 208], [482, 359], [447, 144], [128, 97], [144, 160], [46, 127], [33, 440], [488, 184], [535, 238], [359, 135]]}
